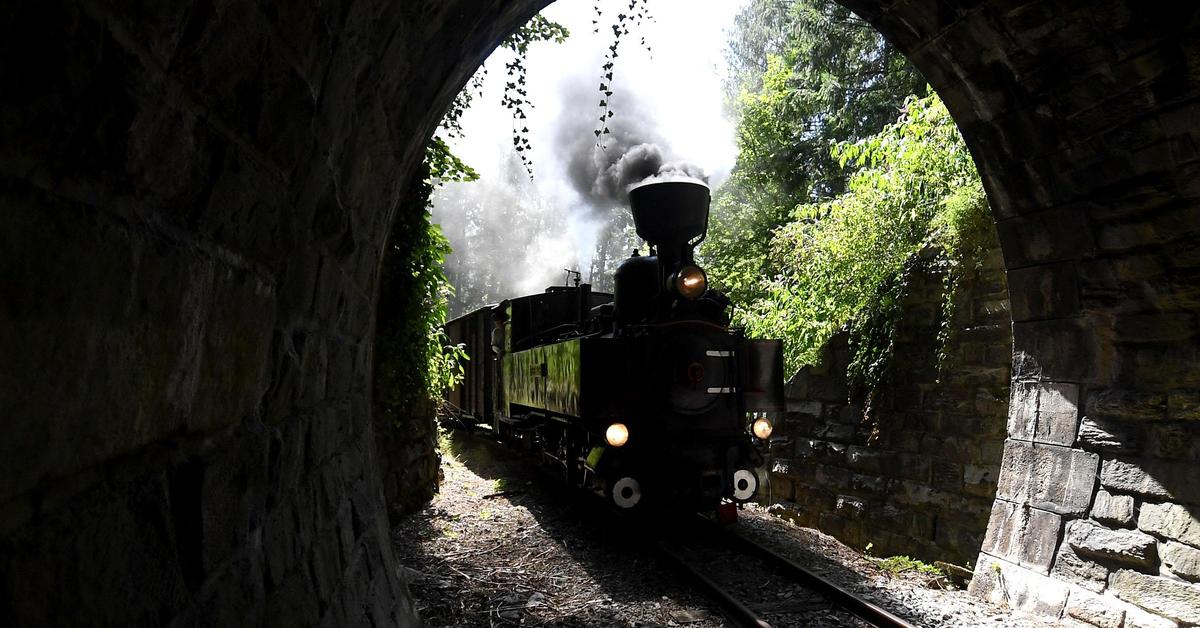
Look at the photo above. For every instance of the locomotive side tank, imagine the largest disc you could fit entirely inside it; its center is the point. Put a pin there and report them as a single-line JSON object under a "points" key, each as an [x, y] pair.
{"points": [[646, 396]]}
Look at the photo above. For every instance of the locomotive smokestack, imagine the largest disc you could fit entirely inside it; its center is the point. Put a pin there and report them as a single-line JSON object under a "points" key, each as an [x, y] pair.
{"points": [[671, 214]]}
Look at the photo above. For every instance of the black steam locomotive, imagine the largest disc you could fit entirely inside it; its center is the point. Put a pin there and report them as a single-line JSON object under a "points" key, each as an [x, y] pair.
{"points": [[646, 395]]}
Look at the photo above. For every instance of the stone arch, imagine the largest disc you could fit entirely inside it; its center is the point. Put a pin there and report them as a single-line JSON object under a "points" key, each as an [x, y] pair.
{"points": [[195, 197]]}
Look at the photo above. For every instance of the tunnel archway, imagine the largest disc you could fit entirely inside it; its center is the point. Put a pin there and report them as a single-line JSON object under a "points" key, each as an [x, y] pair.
{"points": [[196, 198]]}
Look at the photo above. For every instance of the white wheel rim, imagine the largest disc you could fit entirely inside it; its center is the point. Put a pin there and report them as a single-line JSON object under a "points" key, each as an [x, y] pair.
{"points": [[627, 492], [744, 484]]}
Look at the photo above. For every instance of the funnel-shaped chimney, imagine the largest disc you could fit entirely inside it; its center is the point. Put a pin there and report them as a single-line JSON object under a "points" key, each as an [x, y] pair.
{"points": [[669, 214]]}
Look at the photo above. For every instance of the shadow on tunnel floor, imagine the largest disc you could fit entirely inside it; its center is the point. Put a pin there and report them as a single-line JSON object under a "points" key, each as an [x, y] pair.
{"points": [[505, 543]]}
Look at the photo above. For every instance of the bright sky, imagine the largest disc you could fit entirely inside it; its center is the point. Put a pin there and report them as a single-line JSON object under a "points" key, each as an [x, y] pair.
{"points": [[680, 84]]}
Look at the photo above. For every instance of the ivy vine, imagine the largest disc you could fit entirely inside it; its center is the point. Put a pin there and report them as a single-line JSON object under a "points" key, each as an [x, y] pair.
{"points": [[635, 14]]}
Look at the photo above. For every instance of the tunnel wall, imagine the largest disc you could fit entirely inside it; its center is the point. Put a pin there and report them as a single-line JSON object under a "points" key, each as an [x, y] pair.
{"points": [[194, 199], [913, 470], [1083, 118]]}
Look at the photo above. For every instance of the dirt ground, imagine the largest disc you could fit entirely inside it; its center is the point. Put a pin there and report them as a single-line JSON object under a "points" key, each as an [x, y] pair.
{"points": [[503, 544]]}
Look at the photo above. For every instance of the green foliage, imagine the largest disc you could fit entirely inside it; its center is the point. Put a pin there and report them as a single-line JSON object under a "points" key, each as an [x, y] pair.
{"points": [[845, 260], [897, 565], [805, 75], [414, 361], [632, 16], [833, 198], [516, 98]]}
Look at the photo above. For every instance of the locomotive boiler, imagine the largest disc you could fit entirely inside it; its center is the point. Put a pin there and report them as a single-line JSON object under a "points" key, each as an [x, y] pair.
{"points": [[646, 395]]}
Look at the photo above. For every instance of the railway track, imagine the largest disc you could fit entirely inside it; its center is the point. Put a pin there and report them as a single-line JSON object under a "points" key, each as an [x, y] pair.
{"points": [[765, 589]]}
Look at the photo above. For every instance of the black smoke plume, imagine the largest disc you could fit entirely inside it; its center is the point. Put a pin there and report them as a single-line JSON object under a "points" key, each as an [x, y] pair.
{"points": [[600, 169]]}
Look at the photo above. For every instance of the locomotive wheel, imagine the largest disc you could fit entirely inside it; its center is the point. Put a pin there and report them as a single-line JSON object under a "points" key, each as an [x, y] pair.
{"points": [[626, 492], [745, 484]]}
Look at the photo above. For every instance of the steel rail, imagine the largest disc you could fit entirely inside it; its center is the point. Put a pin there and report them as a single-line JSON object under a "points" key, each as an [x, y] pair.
{"points": [[734, 610], [850, 601]]}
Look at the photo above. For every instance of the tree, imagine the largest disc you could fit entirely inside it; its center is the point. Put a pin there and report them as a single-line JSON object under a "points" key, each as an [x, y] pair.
{"points": [[913, 186], [805, 76]]}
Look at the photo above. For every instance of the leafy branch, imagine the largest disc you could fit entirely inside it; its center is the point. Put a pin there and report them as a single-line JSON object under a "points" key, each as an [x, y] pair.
{"points": [[635, 14], [516, 98]]}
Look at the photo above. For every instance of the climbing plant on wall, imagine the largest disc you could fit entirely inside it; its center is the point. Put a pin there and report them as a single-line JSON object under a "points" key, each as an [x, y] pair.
{"points": [[414, 362], [847, 168], [843, 260]]}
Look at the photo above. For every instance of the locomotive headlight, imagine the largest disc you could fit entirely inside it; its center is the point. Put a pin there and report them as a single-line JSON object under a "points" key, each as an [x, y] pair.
{"points": [[762, 428], [616, 434], [691, 282]]}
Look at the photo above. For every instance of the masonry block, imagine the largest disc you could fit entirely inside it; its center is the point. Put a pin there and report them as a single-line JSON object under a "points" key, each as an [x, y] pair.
{"points": [[1057, 349], [1155, 479], [1175, 600], [1183, 405], [1182, 560], [1044, 291], [1049, 477], [1126, 405], [1005, 584], [1057, 413], [1022, 535], [1022, 410], [1097, 610], [1079, 570], [1034, 239], [1113, 509], [1124, 546], [1171, 521], [1109, 435]]}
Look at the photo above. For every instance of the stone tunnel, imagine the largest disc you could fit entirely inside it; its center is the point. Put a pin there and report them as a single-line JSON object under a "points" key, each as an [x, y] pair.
{"points": [[195, 197]]}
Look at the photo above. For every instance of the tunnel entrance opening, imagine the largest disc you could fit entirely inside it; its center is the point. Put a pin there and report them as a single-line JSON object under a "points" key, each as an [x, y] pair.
{"points": [[948, 462], [1079, 364]]}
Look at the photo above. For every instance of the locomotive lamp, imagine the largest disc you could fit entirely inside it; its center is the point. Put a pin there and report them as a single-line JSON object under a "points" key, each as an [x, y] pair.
{"points": [[616, 434], [690, 282], [762, 428]]}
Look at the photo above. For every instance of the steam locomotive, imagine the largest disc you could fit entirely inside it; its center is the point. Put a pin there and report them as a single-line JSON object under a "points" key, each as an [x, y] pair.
{"points": [[646, 396]]}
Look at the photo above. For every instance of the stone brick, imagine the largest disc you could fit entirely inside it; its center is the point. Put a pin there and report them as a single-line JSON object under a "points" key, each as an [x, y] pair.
{"points": [[1113, 509], [1097, 610], [799, 406], [1183, 405], [1182, 560], [1022, 535], [1047, 476], [865, 459], [1127, 405], [1083, 572], [1057, 414], [1108, 435], [980, 480], [1060, 349], [1138, 618], [1171, 440], [1173, 599], [1034, 237], [1171, 521], [1022, 411], [1045, 291], [1005, 584], [1125, 546], [1152, 478]]}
